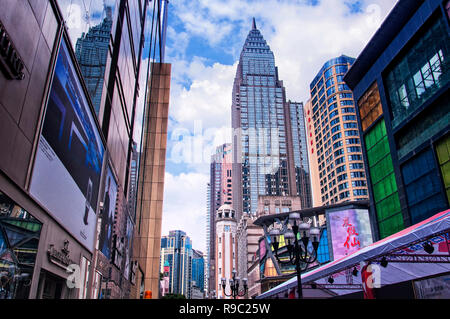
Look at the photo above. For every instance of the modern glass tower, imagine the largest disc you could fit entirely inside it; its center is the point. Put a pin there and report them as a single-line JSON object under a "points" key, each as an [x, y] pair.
{"points": [[91, 51], [176, 249], [263, 158]]}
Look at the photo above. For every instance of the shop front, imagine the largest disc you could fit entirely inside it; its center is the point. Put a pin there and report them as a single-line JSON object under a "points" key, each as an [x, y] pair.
{"points": [[38, 259]]}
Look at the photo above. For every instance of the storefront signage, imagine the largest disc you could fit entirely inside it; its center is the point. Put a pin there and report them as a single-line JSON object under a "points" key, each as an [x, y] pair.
{"points": [[11, 64], [433, 288], [60, 257]]}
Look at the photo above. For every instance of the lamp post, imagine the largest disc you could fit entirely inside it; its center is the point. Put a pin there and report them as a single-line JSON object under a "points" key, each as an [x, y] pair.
{"points": [[234, 286], [298, 252]]}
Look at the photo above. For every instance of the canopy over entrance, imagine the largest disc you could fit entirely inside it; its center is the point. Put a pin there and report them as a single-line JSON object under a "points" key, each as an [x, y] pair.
{"points": [[419, 251]]}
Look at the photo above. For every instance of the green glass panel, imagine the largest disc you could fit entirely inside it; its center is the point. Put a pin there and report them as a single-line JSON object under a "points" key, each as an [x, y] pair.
{"points": [[391, 226], [384, 185], [388, 206]]}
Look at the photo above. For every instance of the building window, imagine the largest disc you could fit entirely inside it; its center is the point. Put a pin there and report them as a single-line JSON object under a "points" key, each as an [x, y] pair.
{"points": [[423, 187], [420, 72]]}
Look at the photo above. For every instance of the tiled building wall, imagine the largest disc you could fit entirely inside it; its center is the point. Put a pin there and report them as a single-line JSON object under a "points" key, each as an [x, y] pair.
{"points": [[151, 187]]}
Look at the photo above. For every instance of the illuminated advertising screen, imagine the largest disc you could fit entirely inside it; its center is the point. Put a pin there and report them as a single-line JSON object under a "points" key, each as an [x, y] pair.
{"points": [[68, 163], [349, 230], [107, 214]]}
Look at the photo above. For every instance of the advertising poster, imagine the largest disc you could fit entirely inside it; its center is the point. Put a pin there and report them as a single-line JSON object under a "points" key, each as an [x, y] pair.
{"points": [[68, 164], [107, 215], [128, 247], [349, 231]]}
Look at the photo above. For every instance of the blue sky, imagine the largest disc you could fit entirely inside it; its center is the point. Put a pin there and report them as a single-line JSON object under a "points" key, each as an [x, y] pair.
{"points": [[204, 40]]}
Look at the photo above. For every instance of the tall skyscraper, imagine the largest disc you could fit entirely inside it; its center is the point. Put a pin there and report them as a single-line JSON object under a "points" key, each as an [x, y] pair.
{"points": [[334, 137], [176, 250], [219, 193], [299, 155], [91, 50], [266, 138]]}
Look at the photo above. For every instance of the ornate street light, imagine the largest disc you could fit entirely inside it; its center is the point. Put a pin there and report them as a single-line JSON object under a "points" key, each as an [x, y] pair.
{"points": [[234, 286], [297, 239]]}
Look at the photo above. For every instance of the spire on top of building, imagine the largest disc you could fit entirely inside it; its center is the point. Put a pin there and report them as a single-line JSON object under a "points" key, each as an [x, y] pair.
{"points": [[254, 24]]}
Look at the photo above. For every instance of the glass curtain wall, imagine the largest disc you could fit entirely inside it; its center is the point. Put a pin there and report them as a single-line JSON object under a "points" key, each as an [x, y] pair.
{"points": [[384, 185], [420, 72]]}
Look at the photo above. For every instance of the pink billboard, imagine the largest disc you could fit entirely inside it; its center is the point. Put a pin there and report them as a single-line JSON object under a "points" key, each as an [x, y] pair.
{"points": [[349, 230]]}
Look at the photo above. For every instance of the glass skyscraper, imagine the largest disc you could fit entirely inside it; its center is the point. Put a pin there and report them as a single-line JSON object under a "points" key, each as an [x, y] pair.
{"points": [[176, 249], [91, 50], [263, 157]]}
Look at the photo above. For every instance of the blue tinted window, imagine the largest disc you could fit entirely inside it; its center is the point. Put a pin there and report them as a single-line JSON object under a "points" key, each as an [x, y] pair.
{"points": [[423, 187], [323, 252]]}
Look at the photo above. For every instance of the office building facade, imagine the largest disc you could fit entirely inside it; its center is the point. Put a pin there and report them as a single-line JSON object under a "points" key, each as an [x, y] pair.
{"points": [[176, 250], [198, 270], [334, 138], [219, 193], [58, 148], [263, 139], [401, 89]]}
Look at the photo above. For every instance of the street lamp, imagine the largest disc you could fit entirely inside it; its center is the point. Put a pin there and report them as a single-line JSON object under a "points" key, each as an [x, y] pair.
{"points": [[298, 252], [234, 286]]}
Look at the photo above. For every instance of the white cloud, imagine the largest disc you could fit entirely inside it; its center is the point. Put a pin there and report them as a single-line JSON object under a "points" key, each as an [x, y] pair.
{"points": [[185, 206], [208, 98]]}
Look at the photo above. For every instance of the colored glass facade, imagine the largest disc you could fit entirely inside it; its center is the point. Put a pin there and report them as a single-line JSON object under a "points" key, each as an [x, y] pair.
{"points": [[323, 251], [420, 72], [404, 108], [382, 176], [423, 186]]}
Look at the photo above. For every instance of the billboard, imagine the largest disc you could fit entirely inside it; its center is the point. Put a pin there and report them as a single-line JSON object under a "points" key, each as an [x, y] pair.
{"points": [[69, 157], [349, 230], [128, 247], [107, 214]]}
